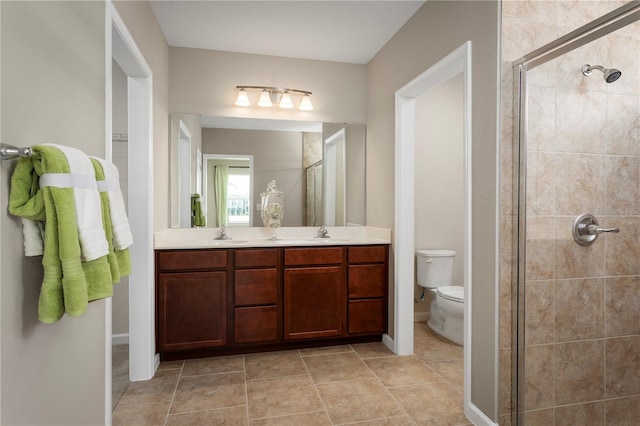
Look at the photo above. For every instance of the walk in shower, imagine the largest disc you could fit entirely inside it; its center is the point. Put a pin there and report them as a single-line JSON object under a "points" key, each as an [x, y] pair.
{"points": [[576, 302]]}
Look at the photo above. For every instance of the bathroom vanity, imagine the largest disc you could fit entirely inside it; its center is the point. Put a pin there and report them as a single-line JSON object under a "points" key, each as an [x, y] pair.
{"points": [[254, 295]]}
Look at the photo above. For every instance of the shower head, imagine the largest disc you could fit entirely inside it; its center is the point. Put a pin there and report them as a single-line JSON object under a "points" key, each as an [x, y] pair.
{"points": [[610, 74]]}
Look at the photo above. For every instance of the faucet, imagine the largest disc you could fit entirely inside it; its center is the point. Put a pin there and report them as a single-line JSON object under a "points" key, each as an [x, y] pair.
{"points": [[323, 233], [223, 234]]}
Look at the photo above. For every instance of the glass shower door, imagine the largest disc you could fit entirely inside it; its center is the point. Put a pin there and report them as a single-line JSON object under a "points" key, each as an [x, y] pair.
{"points": [[578, 306]]}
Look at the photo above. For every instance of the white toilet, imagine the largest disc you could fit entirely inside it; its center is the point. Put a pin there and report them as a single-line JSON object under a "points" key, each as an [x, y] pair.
{"points": [[435, 268]]}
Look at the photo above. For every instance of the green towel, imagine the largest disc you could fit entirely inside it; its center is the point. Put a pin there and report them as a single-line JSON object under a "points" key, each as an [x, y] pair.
{"points": [[68, 283], [106, 222], [197, 219]]}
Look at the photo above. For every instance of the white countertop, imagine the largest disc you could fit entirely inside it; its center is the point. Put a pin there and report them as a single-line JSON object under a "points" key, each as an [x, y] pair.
{"points": [[204, 238]]}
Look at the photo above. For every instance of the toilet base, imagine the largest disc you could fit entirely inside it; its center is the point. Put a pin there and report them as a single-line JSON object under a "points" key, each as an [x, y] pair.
{"points": [[449, 327]]}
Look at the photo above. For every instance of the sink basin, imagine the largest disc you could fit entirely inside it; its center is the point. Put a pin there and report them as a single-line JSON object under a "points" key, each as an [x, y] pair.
{"points": [[212, 243], [289, 242], [308, 241], [327, 240]]}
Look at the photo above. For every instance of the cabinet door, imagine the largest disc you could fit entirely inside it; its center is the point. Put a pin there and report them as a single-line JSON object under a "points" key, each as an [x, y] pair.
{"points": [[192, 310], [314, 302]]}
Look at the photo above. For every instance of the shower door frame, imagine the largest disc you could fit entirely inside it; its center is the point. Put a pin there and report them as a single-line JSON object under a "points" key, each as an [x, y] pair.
{"points": [[614, 20]]}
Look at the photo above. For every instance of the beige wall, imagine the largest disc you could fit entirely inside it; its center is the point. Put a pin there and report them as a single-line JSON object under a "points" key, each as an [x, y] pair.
{"points": [[53, 90], [582, 156], [143, 26], [434, 31], [204, 81], [276, 155], [53, 68], [439, 169]]}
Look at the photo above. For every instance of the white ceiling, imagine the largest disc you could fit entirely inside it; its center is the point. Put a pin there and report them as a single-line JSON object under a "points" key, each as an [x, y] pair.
{"points": [[341, 31]]}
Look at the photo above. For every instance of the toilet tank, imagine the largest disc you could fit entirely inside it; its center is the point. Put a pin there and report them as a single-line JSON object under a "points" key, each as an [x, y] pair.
{"points": [[435, 267]]}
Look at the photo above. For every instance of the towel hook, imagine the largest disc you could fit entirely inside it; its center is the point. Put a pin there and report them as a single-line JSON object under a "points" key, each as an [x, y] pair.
{"points": [[9, 152]]}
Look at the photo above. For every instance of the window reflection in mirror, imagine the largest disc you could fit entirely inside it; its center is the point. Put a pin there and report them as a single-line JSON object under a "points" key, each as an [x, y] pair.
{"points": [[228, 190]]}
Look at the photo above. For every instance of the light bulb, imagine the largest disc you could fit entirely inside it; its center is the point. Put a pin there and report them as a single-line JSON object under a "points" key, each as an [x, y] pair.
{"points": [[265, 99], [243, 99], [285, 101], [305, 103]]}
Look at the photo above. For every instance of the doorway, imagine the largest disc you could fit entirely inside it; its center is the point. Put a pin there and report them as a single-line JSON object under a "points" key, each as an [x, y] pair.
{"points": [[457, 63]]}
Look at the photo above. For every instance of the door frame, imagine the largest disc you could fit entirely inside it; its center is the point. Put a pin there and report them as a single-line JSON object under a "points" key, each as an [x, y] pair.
{"points": [[330, 171], [184, 175], [121, 47], [457, 62]]}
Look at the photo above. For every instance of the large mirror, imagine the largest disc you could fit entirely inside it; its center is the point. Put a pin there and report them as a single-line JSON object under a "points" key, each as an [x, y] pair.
{"points": [[228, 163]]}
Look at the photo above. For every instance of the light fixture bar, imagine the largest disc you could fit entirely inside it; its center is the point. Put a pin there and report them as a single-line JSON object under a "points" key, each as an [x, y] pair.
{"points": [[276, 89]]}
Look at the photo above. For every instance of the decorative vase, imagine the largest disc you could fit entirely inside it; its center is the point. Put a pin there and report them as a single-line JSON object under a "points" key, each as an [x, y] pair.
{"points": [[272, 208]]}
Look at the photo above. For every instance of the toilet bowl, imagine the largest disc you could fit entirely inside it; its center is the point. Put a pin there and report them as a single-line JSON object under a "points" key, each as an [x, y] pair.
{"points": [[435, 269]]}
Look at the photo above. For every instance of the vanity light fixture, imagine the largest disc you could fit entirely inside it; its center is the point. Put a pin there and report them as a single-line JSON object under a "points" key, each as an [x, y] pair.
{"points": [[274, 95], [264, 101], [243, 98]]}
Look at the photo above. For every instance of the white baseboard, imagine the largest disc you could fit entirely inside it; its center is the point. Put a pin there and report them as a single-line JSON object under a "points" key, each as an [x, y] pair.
{"points": [[420, 316], [388, 342], [156, 362], [477, 417], [120, 339]]}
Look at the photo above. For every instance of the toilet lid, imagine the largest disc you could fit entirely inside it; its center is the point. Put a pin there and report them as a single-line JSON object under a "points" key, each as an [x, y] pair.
{"points": [[452, 292]]}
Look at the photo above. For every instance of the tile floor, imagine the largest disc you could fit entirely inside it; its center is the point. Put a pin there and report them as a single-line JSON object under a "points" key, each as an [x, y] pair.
{"points": [[362, 383]]}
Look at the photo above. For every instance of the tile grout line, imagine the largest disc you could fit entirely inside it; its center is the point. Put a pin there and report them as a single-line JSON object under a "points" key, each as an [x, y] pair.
{"points": [[175, 390], [384, 387], [246, 387], [315, 387]]}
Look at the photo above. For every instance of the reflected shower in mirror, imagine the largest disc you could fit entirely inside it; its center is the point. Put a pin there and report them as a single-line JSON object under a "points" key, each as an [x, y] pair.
{"points": [[293, 153]]}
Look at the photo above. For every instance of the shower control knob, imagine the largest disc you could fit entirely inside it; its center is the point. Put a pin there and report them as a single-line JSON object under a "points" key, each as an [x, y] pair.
{"points": [[586, 229], [595, 230]]}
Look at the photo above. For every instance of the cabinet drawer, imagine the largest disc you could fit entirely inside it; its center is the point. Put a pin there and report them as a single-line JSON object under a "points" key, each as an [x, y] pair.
{"points": [[312, 256], [368, 254], [189, 260], [254, 325], [367, 316], [367, 281], [256, 258], [256, 287]]}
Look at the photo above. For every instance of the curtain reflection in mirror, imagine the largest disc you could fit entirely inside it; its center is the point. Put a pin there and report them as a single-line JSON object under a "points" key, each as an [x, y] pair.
{"points": [[220, 182]]}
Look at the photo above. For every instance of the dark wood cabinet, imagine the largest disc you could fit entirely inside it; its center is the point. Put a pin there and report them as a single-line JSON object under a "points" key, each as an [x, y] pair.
{"points": [[256, 296], [368, 282], [221, 301], [314, 292], [192, 310], [313, 302]]}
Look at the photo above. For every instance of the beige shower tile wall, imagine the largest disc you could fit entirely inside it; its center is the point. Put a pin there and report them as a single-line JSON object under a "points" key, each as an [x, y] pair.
{"points": [[582, 303]]}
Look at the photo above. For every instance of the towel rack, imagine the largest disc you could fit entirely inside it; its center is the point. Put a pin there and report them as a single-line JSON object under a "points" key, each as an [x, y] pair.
{"points": [[9, 152]]}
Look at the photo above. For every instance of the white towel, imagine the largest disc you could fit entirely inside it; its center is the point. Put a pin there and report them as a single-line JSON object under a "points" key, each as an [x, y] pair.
{"points": [[122, 237], [33, 238], [93, 240]]}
